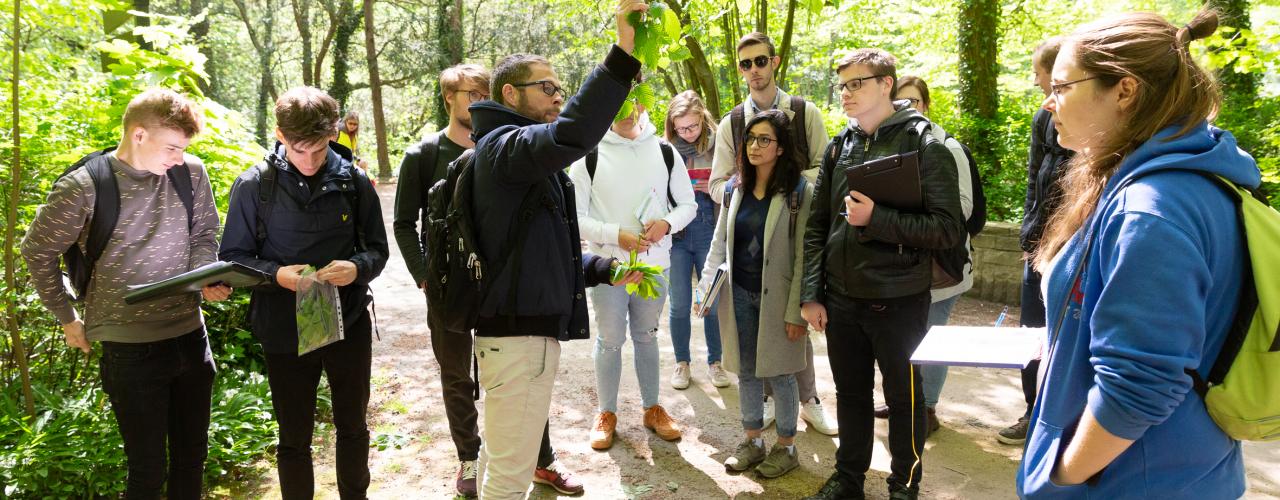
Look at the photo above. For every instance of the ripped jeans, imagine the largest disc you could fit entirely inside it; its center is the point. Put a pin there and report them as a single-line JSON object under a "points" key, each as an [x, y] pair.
{"points": [[617, 312]]}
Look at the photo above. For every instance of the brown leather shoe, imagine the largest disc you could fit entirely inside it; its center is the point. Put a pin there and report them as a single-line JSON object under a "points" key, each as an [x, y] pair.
{"points": [[657, 420], [602, 431]]}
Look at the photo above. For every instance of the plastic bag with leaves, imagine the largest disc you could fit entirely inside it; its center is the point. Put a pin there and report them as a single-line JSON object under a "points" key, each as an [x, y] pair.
{"points": [[319, 312]]}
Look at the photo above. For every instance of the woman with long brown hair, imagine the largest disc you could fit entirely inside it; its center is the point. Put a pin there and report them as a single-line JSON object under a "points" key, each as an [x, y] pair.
{"points": [[1142, 266]]}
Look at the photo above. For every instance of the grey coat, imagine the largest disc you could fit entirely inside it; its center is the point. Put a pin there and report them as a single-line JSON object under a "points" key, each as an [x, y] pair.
{"points": [[780, 286]]}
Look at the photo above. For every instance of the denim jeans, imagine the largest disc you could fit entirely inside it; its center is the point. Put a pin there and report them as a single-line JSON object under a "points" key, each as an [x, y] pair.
{"points": [[616, 312], [294, 380], [688, 253], [160, 393], [746, 310], [935, 376]]}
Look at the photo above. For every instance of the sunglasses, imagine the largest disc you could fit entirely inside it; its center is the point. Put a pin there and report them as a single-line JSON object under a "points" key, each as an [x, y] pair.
{"points": [[548, 87], [760, 62]]}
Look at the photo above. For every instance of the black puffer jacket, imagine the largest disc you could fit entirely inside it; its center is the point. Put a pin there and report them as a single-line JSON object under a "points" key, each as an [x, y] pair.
{"points": [[891, 256], [1046, 162]]}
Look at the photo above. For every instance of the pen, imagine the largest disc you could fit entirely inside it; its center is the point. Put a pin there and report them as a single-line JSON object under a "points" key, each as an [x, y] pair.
{"points": [[1000, 318]]}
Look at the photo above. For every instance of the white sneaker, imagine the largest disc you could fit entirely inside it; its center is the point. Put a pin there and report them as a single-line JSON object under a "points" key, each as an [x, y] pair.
{"points": [[680, 377], [768, 413], [718, 376], [817, 418]]}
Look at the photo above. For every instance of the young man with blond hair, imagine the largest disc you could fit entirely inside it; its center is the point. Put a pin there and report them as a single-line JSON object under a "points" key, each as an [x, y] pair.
{"points": [[156, 365]]}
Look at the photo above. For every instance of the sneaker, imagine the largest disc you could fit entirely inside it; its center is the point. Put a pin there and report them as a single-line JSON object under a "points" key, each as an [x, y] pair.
{"points": [[813, 413], [931, 422], [881, 411], [680, 377], [780, 461], [768, 414], [558, 479], [746, 455], [718, 376], [903, 493], [836, 488], [1014, 434], [602, 431], [657, 420], [465, 483]]}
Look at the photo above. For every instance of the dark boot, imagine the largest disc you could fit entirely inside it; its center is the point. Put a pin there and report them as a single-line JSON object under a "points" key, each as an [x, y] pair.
{"points": [[838, 488]]}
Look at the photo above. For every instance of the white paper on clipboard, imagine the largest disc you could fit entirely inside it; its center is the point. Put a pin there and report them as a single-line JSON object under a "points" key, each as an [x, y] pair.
{"points": [[984, 346], [652, 207]]}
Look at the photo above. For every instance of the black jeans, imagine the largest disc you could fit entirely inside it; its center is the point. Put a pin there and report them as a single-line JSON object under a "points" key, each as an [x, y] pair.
{"points": [[1032, 315], [860, 334], [454, 354], [160, 394], [294, 380]]}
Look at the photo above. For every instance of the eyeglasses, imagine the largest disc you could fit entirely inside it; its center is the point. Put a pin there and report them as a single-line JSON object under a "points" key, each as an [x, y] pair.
{"points": [[1056, 89], [761, 141], [760, 62], [475, 95], [688, 130], [548, 87], [913, 101], [853, 84]]}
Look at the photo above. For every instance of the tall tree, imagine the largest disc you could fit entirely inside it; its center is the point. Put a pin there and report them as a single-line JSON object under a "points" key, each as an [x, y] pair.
{"points": [[264, 44], [785, 49], [979, 95], [302, 18], [15, 194], [375, 91], [348, 23], [762, 16], [200, 34], [700, 76], [1239, 89], [732, 32], [449, 35]]}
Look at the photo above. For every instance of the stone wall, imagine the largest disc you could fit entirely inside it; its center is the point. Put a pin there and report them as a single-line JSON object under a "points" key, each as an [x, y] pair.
{"points": [[997, 264]]}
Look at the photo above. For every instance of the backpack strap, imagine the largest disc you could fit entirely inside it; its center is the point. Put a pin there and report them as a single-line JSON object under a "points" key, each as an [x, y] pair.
{"points": [[106, 207], [180, 177], [918, 127], [593, 157], [728, 191], [668, 156], [799, 134], [737, 124], [536, 196], [266, 194], [353, 201], [794, 200], [429, 151]]}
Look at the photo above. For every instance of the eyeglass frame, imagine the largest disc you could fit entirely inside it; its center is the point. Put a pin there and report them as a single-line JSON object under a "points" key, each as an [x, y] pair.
{"points": [[757, 61], [554, 89], [1055, 89], [473, 95], [689, 129], [837, 87], [761, 141]]}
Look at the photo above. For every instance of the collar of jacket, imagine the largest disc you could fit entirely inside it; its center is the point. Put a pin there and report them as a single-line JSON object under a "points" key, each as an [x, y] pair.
{"points": [[488, 115], [337, 165], [899, 117]]}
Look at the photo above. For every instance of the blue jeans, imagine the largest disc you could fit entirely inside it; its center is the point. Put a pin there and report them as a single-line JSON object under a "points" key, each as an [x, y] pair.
{"points": [[688, 253], [934, 376], [746, 309], [616, 311]]}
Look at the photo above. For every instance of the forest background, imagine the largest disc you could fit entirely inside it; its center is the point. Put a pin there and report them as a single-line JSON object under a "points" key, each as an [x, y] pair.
{"points": [[72, 65]]}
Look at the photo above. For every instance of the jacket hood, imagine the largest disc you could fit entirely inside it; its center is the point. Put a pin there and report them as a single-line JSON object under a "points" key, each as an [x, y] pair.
{"points": [[337, 164], [488, 115], [647, 133], [901, 114], [1205, 148]]}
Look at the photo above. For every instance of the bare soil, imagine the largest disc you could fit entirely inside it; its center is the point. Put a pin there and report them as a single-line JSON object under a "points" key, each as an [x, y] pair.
{"points": [[961, 461]]}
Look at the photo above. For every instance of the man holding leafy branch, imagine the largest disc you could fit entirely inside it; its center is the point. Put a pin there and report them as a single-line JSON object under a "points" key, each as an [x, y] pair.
{"points": [[523, 144], [631, 195]]}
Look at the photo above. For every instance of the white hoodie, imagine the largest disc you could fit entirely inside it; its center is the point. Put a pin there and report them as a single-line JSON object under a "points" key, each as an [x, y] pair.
{"points": [[627, 172]]}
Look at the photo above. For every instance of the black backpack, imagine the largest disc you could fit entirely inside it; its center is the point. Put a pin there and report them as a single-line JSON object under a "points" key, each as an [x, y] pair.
{"points": [[978, 216], [458, 276], [799, 134], [668, 155], [79, 264], [267, 193]]}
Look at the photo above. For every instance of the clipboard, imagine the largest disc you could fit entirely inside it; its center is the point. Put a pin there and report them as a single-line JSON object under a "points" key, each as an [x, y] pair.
{"points": [[707, 301], [982, 346], [893, 181], [233, 274]]}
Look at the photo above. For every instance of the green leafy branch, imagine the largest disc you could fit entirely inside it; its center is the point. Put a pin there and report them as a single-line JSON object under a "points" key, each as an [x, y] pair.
{"points": [[659, 42]]}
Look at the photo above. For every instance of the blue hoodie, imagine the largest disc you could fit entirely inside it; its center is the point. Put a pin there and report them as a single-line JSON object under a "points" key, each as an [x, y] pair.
{"points": [[1156, 297]]}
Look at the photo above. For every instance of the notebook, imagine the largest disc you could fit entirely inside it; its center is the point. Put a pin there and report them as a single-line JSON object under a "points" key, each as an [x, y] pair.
{"points": [[706, 301]]}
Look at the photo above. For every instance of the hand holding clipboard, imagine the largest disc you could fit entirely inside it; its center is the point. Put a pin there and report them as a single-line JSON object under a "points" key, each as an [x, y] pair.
{"points": [[893, 181]]}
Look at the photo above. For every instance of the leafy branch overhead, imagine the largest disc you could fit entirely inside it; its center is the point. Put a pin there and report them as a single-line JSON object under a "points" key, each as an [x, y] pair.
{"points": [[659, 42]]}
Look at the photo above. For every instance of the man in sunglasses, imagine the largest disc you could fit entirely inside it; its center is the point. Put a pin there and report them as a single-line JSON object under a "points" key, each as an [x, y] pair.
{"points": [[868, 271], [757, 62], [524, 142]]}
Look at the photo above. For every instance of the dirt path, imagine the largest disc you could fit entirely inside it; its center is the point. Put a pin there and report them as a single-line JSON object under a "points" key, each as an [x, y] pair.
{"points": [[961, 461]]}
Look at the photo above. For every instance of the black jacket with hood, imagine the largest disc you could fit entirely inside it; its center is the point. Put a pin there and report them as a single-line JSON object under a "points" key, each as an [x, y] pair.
{"points": [[304, 227], [515, 154], [1046, 162], [892, 255]]}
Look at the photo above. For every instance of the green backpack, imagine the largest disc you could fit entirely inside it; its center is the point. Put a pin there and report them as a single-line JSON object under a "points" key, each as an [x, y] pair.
{"points": [[1242, 391]]}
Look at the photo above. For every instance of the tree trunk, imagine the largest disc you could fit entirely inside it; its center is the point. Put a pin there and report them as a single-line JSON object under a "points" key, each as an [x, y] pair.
{"points": [[302, 17], [762, 16], [348, 23], [702, 79], [668, 82], [375, 90], [449, 33], [729, 43], [1239, 90], [15, 194], [140, 21], [785, 50], [979, 96], [200, 33]]}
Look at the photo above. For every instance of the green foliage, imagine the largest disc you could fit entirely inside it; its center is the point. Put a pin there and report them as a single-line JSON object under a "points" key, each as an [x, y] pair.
{"points": [[657, 45], [648, 286]]}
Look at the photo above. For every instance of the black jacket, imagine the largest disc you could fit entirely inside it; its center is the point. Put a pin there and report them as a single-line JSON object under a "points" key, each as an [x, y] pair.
{"points": [[1046, 162], [304, 228], [515, 154], [892, 255]]}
